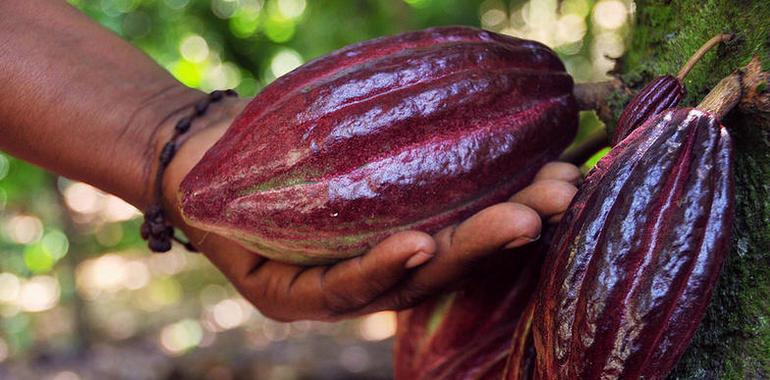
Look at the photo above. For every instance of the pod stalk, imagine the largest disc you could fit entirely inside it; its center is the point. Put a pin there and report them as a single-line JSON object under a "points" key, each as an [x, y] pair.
{"points": [[714, 41]]}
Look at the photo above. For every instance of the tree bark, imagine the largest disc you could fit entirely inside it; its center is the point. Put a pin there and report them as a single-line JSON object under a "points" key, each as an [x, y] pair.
{"points": [[733, 341]]}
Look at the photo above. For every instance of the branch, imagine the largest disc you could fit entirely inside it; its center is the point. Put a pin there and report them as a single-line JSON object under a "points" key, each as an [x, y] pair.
{"points": [[593, 96]]}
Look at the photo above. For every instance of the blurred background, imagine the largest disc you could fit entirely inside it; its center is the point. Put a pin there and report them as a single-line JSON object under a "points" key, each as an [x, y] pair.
{"points": [[80, 296]]}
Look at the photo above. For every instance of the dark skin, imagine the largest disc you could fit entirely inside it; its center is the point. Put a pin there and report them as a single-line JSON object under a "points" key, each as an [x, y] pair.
{"points": [[84, 104]]}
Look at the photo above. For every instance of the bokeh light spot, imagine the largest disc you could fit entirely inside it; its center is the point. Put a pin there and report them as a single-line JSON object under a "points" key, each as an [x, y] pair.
{"points": [[55, 243], [176, 4], [570, 28], [580, 8], [186, 72], [39, 294], [609, 44], [118, 210], [82, 198], [228, 314], [610, 14], [10, 286], [378, 326], [418, 3], [284, 61], [194, 48], [38, 260], [181, 336], [245, 21], [279, 29], [224, 8], [24, 229], [291, 8]]}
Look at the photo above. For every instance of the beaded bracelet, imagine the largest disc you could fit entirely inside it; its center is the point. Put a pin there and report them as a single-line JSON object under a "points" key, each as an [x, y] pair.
{"points": [[156, 229]]}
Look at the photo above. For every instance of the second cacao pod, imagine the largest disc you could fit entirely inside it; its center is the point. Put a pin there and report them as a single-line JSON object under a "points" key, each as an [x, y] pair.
{"points": [[638, 253]]}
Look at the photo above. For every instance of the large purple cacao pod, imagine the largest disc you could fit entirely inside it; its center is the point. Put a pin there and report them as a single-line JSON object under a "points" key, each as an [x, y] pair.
{"points": [[414, 131], [638, 253]]}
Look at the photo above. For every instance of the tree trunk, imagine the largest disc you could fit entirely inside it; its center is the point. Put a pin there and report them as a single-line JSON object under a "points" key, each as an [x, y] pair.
{"points": [[733, 341]]}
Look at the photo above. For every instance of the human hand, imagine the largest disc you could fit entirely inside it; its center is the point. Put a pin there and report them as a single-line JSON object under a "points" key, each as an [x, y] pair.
{"points": [[398, 273]]}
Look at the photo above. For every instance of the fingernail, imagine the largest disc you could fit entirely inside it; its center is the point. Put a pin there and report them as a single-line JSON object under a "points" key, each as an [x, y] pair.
{"points": [[418, 259], [524, 240]]}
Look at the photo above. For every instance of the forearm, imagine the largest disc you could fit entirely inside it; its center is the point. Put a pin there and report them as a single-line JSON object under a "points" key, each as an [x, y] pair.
{"points": [[79, 101]]}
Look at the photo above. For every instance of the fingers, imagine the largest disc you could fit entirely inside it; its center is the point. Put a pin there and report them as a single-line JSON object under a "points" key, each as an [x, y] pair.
{"points": [[505, 224], [549, 197], [353, 284], [288, 292], [561, 171]]}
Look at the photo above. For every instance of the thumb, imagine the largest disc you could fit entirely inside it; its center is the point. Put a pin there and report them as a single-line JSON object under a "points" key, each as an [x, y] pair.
{"points": [[352, 284]]}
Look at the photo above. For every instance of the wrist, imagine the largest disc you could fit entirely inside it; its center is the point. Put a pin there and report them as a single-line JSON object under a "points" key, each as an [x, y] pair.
{"points": [[204, 132], [150, 127]]}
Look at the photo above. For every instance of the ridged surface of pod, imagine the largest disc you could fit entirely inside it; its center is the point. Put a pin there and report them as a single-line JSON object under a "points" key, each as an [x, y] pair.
{"points": [[474, 332], [657, 96], [414, 131], [638, 253]]}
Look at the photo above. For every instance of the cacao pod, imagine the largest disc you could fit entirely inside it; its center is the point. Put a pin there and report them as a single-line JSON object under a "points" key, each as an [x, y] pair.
{"points": [[657, 96], [478, 330], [414, 131], [660, 94], [638, 253]]}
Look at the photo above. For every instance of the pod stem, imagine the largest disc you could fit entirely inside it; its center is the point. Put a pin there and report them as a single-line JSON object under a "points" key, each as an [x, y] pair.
{"points": [[714, 41], [592, 144], [724, 96]]}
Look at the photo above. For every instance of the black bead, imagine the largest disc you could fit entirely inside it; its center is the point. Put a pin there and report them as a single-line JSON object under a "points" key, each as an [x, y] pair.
{"points": [[167, 153], [183, 125], [159, 245], [216, 95], [201, 107]]}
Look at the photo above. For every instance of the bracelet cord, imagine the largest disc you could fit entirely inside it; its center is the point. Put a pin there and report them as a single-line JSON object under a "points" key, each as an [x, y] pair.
{"points": [[156, 229]]}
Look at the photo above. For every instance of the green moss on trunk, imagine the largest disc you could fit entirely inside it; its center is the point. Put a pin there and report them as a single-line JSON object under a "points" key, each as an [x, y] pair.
{"points": [[733, 341]]}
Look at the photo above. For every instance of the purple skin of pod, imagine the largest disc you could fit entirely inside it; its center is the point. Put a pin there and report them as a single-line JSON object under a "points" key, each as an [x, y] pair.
{"points": [[444, 337], [638, 253], [657, 96], [414, 131]]}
